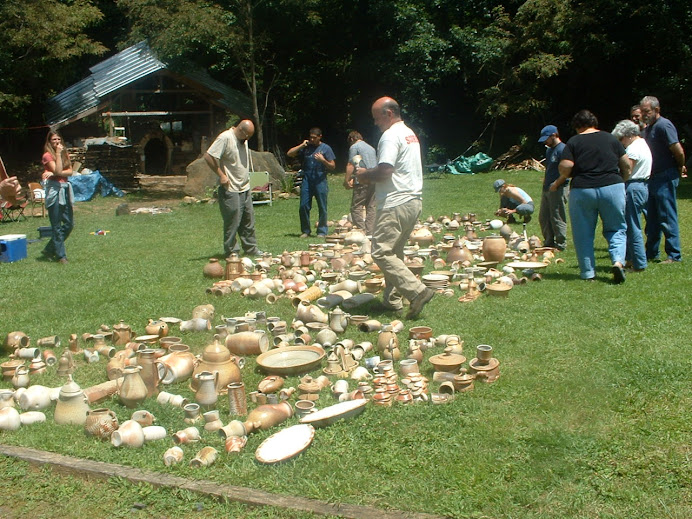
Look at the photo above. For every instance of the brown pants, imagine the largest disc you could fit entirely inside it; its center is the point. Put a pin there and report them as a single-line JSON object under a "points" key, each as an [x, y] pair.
{"points": [[363, 201]]}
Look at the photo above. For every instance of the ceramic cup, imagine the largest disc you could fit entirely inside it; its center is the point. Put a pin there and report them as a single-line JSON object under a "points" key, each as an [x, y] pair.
{"points": [[304, 407], [384, 366], [408, 366], [340, 386], [361, 373], [372, 362], [172, 456]]}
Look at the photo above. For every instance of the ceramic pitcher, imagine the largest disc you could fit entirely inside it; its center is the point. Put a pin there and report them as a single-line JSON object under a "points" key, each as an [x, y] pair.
{"points": [[133, 390]]}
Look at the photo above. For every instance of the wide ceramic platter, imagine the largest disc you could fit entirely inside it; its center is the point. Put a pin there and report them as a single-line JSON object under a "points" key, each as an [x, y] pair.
{"points": [[334, 413], [527, 265], [291, 360], [285, 444]]}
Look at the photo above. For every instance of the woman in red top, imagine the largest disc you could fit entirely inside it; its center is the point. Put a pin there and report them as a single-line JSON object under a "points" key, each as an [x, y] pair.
{"points": [[57, 167]]}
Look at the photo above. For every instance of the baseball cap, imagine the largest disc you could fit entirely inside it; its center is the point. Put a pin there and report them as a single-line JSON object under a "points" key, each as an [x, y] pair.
{"points": [[498, 184], [546, 132]]}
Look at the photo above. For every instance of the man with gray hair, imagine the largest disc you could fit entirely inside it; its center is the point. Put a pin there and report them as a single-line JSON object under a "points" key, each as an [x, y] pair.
{"points": [[667, 168], [398, 179], [636, 191]]}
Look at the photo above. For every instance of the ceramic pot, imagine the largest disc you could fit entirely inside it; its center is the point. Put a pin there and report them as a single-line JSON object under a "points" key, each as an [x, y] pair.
{"points": [[408, 366], [173, 456], [195, 325], [129, 434], [122, 334], [9, 419], [262, 417], [237, 401], [234, 444], [9, 367], [171, 399], [15, 340], [204, 312], [212, 421], [35, 398], [27, 353], [207, 394], [143, 417], [32, 417], [156, 327], [205, 457], [484, 352], [191, 413], [37, 367], [133, 390], [494, 248], [72, 405], [217, 358], [213, 269], [21, 376], [187, 435], [6, 398], [153, 433], [150, 374], [338, 320], [309, 313], [326, 337], [384, 337], [247, 343], [100, 423], [177, 366]]}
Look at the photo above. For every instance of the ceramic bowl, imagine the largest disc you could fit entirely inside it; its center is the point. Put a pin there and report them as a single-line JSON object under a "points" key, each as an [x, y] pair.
{"points": [[291, 360], [420, 332]]}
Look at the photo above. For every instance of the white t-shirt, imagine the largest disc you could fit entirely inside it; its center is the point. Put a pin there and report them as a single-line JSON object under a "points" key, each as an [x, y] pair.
{"points": [[639, 152], [399, 147], [233, 159]]}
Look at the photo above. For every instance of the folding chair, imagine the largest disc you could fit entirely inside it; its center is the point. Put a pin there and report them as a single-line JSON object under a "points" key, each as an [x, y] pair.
{"points": [[12, 208], [261, 187], [37, 197]]}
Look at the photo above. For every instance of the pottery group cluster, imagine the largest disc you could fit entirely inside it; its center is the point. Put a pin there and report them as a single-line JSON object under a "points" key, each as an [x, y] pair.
{"points": [[312, 371]]}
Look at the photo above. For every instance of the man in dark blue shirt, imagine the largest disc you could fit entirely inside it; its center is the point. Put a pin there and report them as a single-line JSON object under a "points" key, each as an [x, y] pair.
{"points": [[316, 158], [552, 215], [667, 168]]}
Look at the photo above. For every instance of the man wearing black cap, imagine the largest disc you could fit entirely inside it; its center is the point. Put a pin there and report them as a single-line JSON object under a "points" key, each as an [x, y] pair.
{"points": [[552, 215]]}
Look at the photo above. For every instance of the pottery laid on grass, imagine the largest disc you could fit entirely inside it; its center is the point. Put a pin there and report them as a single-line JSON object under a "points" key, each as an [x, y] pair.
{"points": [[494, 248], [72, 405], [217, 358], [133, 390], [261, 418], [100, 423]]}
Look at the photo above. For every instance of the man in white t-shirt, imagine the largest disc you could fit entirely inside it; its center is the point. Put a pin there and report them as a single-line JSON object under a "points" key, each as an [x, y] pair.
{"points": [[228, 157], [398, 179]]}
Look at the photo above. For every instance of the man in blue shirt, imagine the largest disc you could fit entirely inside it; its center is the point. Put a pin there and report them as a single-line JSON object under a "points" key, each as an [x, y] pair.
{"points": [[316, 158], [553, 215], [668, 166]]}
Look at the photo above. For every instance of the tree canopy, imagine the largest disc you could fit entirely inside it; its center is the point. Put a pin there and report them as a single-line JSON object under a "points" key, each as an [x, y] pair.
{"points": [[465, 72]]}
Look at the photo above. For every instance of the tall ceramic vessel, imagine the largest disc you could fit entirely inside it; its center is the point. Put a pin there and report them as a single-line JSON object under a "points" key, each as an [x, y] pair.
{"points": [[72, 405], [494, 248], [262, 417], [133, 390]]}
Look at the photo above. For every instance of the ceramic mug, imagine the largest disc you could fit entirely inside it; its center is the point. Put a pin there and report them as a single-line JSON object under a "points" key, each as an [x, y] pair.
{"points": [[361, 373], [372, 362], [304, 407], [340, 386], [383, 367]]}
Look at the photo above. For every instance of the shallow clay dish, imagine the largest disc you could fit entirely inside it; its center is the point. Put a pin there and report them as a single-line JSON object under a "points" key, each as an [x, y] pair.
{"points": [[291, 360], [285, 444], [170, 320], [334, 413], [527, 265], [450, 362], [146, 338], [498, 289]]}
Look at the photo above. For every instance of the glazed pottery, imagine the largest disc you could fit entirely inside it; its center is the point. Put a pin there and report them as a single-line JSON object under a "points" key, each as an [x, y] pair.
{"points": [[165, 397], [447, 361], [361, 373], [32, 417], [234, 444], [21, 376], [100, 423], [133, 390], [9, 419], [187, 435], [154, 432], [173, 456], [205, 457], [6, 398], [484, 352], [9, 368], [262, 417], [102, 391], [34, 398], [408, 366], [203, 312], [49, 357], [129, 434], [72, 405], [15, 340], [270, 384], [494, 248], [371, 325], [37, 366], [143, 417], [212, 422], [217, 359], [304, 407], [156, 327], [191, 413], [27, 353], [207, 394], [213, 269], [237, 402], [122, 334], [385, 337], [195, 325], [177, 366], [150, 374], [291, 360], [285, 444], [334, 413], [247, 343]]}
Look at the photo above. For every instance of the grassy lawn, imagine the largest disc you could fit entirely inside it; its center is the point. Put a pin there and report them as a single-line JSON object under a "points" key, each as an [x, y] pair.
{"points": [[589, 419]]}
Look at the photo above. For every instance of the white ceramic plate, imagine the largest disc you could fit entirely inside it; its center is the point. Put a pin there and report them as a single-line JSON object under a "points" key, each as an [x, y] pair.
{"points": [[527, 265], [434, 277], [285, 444], [334, 413], [147, 338], [170, 320]]}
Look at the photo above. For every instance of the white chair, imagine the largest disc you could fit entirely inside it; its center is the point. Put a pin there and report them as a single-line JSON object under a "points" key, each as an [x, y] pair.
{"points": [[261, 187]]}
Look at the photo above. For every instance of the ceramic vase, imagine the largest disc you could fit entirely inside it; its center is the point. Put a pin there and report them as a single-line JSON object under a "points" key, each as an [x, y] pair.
{"points": [[129, 434], [206, 395], [262, 417], [9, 419], [205, 457], [133, 390], [173, 456], [494, 248], [100, 423], [213, 269]]}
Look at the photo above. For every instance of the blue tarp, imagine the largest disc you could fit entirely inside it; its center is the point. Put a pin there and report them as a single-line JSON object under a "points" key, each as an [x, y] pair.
{"points": [[84, 186]]}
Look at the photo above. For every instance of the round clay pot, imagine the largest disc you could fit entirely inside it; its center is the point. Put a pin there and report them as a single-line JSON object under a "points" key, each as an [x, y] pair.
{"points": [[9, 419], [129, 434], [100, 423], [494, 248], [213, 269]]}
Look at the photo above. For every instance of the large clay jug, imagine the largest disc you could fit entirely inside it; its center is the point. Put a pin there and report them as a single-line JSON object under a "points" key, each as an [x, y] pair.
{"points": [[122, 334], [217, 358], [262, 417], [206, 395], [150, 373], [494, 248], [72, 405], [133, 390]]}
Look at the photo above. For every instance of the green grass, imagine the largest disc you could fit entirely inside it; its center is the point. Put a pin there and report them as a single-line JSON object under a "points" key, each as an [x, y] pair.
{"points": [[589, 419]]}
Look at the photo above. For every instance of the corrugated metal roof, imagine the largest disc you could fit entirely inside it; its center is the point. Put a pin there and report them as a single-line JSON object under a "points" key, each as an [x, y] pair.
{"points": [[120, 70]]}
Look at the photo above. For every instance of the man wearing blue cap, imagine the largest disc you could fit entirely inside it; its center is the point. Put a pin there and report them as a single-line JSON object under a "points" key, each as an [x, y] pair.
{"points": [[552, 215]]}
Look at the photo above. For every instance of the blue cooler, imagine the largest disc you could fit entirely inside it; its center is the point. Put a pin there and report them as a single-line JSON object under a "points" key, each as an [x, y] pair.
{"points": [[12, 247]]}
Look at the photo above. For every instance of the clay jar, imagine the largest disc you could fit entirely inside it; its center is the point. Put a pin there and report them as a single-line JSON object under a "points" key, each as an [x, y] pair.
{"points": [[130, 434], [262, 417], [217, 358], [72, 405], [494, 248], [100, 423], [9, 419], [247, 343], [177, 366], [122, 334], [133, 390], [146, 359], [207, 395], [16, 340], [156, 327], [213, 269], [459, 252], [384, 337]]}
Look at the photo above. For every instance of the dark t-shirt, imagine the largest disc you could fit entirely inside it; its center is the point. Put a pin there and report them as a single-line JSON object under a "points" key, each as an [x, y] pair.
{"points": [[595, 156], [552, 159], [660, 136]]}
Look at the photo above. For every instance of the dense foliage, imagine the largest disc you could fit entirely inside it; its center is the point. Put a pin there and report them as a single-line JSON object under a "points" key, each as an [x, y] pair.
{"points": [[477, 72]]}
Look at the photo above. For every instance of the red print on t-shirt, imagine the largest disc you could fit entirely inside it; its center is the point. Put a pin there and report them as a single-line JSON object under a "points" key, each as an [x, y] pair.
{"points": [[410, 139]]}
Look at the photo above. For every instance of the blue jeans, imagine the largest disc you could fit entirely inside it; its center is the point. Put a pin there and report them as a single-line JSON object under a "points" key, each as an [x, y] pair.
{"points": [[522, 209], [319, 189], [585, 206], [637, 194], [59, 208], [662, 215]]}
